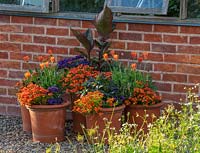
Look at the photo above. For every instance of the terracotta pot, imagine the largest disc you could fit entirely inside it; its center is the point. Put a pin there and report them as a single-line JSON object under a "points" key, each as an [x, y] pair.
{"points": [[92, 120], [137, 114], [48, 122], [26, 122]]}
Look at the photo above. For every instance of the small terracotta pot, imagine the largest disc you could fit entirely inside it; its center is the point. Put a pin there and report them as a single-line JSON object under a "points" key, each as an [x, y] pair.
{"points": [[48, 122], [137, 114], [26, 122], [92, 120]]}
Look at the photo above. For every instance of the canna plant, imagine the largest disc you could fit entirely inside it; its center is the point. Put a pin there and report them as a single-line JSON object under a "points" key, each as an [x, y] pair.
{"points": [[104, 27]]}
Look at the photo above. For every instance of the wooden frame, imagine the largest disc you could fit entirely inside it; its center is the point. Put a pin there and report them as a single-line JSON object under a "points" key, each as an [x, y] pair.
{"points": [[24, 8], [123, 9], [183, 9]]}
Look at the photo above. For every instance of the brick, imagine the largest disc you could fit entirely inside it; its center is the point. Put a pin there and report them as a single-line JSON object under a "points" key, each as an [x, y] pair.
{"points": [[22, 19], [2, 109], [140, 27], [152, 37], [3, 91], [195, 59], [3, 37], [173, 97], [175, 77], [155, 57], [189, 49], [163, 86], [10, 28], [58, 50], [194, 79], [117, 45], [87, 24], [13, 110], [28, 66], [20, 38], [10, 64], [165, 67], [44, 40], [130, 36], [113, 35], [195, 40], [189, 69], [190, 30], [163, 48], [18, 55], [33, 30], [12, 91], [121, 26], [166, 28], [4, 19], [5, 82], [16, 74], [3, 73], [138, 46], [174, 39], [45, 21], [33, 48], [7, 100], [69, 23], [10, 47], [68, 42], [155, 76], [3, 55], [176, 58], [57, 31]]}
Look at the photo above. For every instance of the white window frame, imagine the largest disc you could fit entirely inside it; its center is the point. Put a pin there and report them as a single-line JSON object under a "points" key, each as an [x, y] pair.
{"points": [[137, 10]]}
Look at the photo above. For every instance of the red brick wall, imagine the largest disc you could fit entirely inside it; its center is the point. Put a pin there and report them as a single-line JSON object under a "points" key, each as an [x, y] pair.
{"points": [[174, 51]]}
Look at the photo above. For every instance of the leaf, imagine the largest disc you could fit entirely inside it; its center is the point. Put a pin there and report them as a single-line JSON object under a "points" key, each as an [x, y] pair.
{"points": [[85, 39], [103, 22], [82, 52]]}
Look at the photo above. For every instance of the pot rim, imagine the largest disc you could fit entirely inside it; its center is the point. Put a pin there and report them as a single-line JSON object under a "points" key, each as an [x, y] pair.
{"points": [[149, 106], [117, 108], [57, 106]]}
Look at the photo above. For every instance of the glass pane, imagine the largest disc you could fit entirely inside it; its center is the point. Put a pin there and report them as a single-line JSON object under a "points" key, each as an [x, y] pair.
{"points": [[174, 8], [23, 2], [194, 9], [92, 6]]}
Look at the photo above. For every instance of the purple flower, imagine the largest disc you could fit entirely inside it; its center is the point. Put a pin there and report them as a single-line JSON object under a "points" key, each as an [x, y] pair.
{"points": [[54, 101], [53, 89]]}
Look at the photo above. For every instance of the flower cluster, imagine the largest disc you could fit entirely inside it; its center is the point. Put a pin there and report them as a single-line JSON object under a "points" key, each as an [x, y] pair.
{"points": [[72, 62], [77, 76], [143, 96], [89, 103], [42, 85]]}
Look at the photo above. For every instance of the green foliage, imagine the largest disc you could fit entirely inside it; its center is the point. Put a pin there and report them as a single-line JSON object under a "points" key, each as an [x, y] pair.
{"points": [[194, 8], [127, 79], [174, 8]]}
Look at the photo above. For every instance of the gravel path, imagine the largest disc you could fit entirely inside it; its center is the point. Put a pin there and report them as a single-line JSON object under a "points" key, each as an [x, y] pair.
{"points": [[14, 140]]}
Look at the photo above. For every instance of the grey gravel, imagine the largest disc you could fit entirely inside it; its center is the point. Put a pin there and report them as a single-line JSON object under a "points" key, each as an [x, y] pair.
{"points": [[14, 140]]}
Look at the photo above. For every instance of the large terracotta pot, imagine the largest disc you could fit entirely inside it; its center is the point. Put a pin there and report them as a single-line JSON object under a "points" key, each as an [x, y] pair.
{"points": [[48, 122], [26, 122], [137, 113], [92, 120]]}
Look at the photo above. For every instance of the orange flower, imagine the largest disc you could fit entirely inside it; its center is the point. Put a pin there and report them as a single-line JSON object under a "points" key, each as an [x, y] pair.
{"points": [[112, 52], [145, 55], [50, 52], [52, 59], [27, 74], [133, 66], [133, 54], [46, 64], [116, 57], [26, 58], [140, 59], [105, 56], [42, 65]]}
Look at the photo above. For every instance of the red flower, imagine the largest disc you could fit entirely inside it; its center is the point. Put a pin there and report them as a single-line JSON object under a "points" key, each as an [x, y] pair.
{"points": [[140, 59]]}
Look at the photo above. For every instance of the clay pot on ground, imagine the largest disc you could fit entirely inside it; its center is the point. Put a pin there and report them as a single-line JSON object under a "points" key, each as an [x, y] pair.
{"points": [[143, 115], [48, 122], [90, 121], [26, 122]]}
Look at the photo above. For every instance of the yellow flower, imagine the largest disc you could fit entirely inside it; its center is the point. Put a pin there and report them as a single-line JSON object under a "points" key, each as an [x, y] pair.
{"points": [[80, 138]]}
